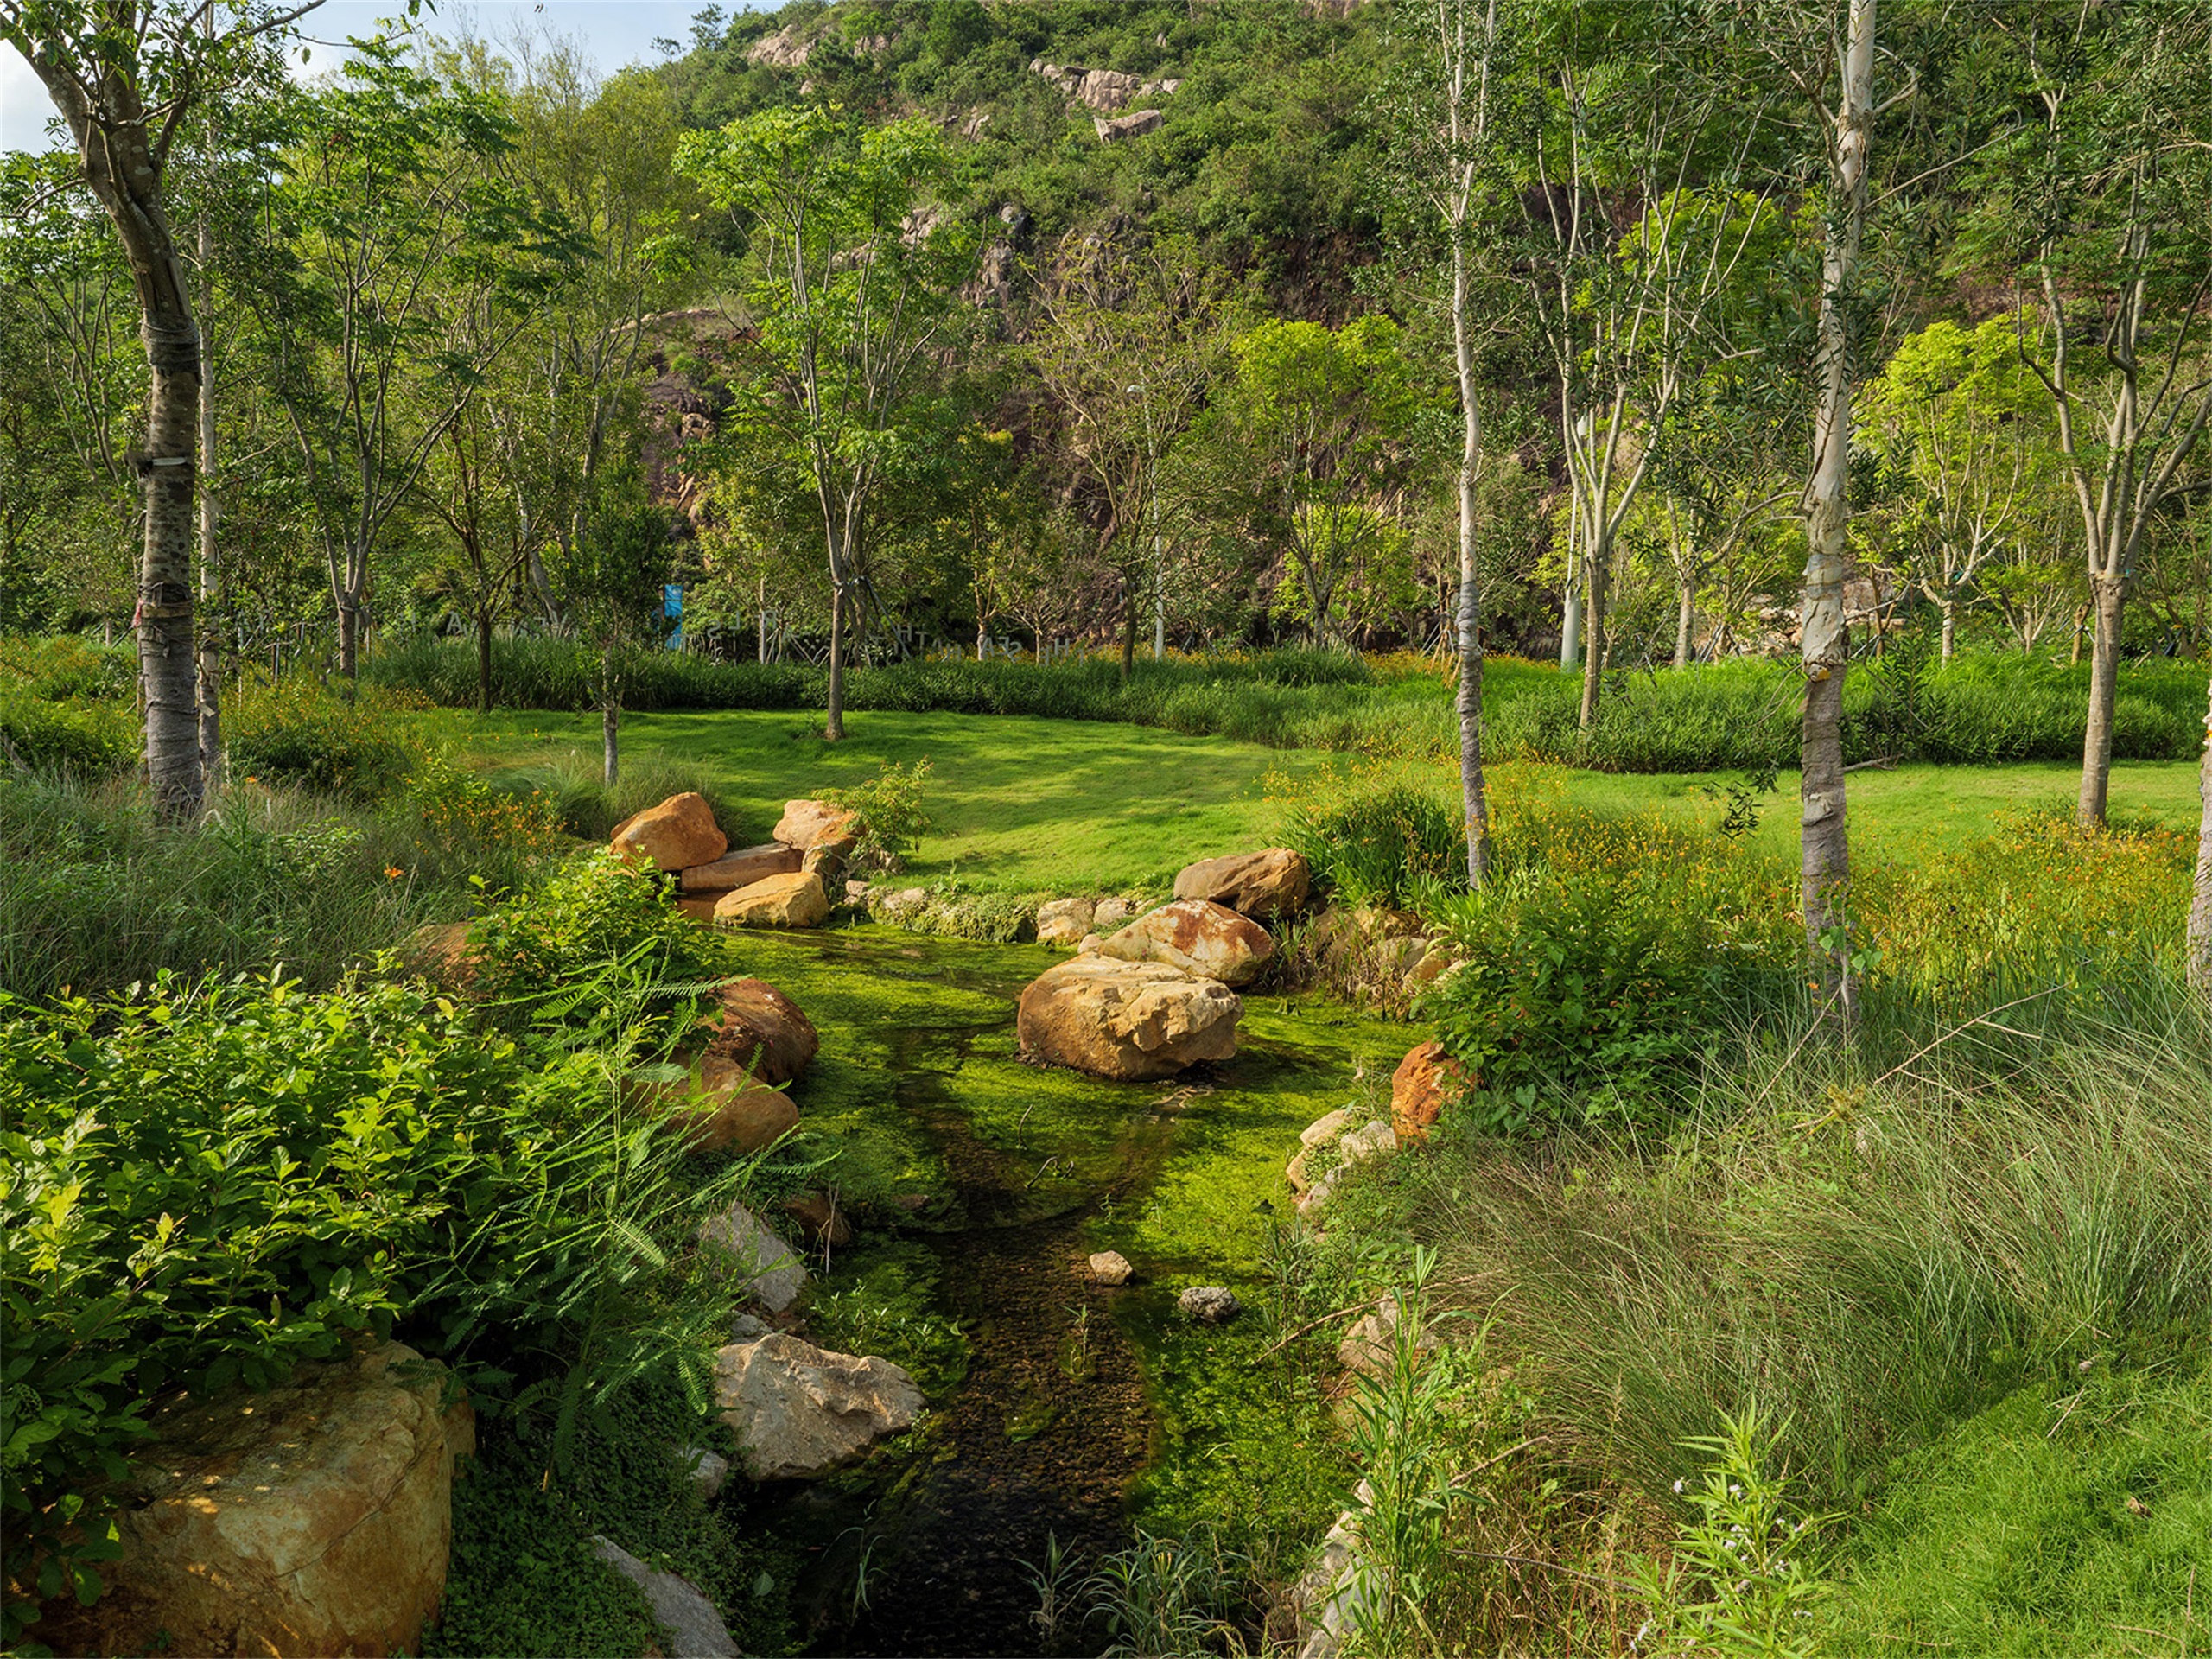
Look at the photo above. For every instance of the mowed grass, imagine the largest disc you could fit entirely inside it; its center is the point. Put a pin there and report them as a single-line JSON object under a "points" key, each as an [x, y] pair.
{"points": [[1020, 804]]}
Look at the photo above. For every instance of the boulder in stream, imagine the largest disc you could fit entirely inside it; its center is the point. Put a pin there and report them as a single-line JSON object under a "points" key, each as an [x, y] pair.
{"points": [[764, 1031], [1265, 885], [678, 834], [1210, 1304], [1127, 1020], [796, 901], [1110, 1268], [800, 1411], [1064, 921], [1199, 938]]}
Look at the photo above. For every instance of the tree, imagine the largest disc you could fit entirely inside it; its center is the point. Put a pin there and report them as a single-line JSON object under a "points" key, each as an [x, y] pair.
{"points": [[1128, 342], [404, 264], [857, 262], [1444, 166], [1959, 413], [124, 75], [608, 579], [2100, 205], [1320, 413]]}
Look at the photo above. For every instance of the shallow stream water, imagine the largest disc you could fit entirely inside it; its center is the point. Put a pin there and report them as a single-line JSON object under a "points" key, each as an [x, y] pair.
{"points": [[1072, 1422]]}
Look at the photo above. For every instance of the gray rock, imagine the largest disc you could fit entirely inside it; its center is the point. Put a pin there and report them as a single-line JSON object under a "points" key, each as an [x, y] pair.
{"points": [[1209, 1304], [745, 1327], [694, 1628], [772, 1275], [710, 1470], [800, 1411]]}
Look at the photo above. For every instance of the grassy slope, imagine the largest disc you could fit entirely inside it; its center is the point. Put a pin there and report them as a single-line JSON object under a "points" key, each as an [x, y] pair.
{"points": [[1022, 804]]}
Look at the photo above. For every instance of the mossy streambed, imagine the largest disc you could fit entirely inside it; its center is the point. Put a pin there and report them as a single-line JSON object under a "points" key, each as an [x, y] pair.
{"points": [[1063, 1412]]}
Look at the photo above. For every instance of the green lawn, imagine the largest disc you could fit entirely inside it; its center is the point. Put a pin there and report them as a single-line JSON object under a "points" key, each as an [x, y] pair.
{"points": [[1022, 804]]}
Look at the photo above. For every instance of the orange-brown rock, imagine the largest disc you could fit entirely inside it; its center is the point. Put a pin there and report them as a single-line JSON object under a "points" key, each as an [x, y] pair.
{"points": [[741, 867], [1127, 1020], [1199, 938], [1427, 1080], [721, 1111], [312, 1518], [679, 833], [807, 824], [765, 1032], [798, 900], [823, 1218], [440, 950], [1264, 886]]}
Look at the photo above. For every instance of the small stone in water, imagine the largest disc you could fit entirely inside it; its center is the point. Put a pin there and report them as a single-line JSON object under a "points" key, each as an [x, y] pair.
{"points": [[1208, 1304], [1110, 1268]]}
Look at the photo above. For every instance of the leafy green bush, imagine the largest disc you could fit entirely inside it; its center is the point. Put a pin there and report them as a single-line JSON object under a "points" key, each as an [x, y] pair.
{"points": [[890, 813], [1601, 991], [207, 1184]]}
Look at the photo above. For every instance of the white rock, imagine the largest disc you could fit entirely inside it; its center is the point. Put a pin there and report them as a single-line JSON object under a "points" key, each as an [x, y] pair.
{"points": [[1324, 1129], [694, 1628], [1110, 1268], [772, 1275], [1377, 1139], [800, 1411]]}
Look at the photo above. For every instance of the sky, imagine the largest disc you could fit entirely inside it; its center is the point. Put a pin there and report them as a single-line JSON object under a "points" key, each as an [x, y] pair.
{"points": [[615, 32]]}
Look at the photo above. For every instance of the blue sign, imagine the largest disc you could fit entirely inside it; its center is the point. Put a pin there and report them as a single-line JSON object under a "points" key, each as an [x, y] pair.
{"points": [[671, 607]]}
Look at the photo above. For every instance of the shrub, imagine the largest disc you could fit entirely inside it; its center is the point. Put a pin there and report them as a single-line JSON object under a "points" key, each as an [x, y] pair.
{"points": [[890, 813], [1378, 836], [207, 1184], [88, 741]]}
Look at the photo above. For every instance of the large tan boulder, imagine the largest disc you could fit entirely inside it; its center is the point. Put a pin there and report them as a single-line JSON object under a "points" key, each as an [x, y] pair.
{"points": [[679, 833], [764, 1031], [807, 823], [721, 1110], [797, 900], [1426, 1081], [1127, 1020], [1264, 886], [311, 1518], [800, 1411], [741, 866], [1199, 938]]}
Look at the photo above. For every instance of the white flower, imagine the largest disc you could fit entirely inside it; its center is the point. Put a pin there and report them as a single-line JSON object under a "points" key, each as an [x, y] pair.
{"points": [[1678, 1487], [1735, 1491]]}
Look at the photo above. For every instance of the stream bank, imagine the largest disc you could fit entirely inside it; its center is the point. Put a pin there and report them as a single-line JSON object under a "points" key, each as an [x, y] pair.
{"points": [[1063, 1413]]}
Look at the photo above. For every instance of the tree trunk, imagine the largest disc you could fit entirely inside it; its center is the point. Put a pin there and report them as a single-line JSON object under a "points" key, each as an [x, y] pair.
{"points": [[1825, 641], [610, 737], [349, 637], [2199, 953], [483, 662], [1474, 792], [210, 671], [1128, 629], [2080, 621], [2110, 594], [1685, 620], [834, 728], [1593, 654], [1950, 626], [168, 663], [1570, 627]]}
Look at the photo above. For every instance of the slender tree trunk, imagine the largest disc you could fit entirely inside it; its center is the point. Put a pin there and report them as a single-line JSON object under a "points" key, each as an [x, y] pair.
{"points": [[2110, 594], [1685, 618], [2199, 954], [168, 663], [1825, 641], [1474, 793], [1950, 626], [483, 662], [834, 728], [610, 738], [211, 641], [1128, 629], [349, 637], [1594, 561]]}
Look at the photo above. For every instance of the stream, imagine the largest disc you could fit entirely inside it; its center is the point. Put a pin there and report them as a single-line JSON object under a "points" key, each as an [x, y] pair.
{"points": [[1061, 1414]]}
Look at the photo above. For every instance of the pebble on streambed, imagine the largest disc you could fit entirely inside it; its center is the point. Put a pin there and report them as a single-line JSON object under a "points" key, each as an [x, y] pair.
{"points": [[1110, 1268]]}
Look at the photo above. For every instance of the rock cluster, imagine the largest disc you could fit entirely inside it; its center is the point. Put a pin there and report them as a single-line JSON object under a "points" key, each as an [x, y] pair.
{"points": [[784, 882], [1334, 1140], [1103, 90]]}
